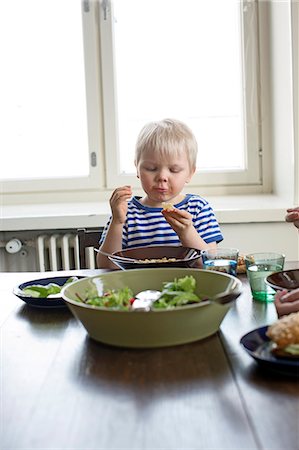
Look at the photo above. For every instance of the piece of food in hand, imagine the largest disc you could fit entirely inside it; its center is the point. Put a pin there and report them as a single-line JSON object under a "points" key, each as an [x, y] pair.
{"points": [[241, 266], [285, 336], [167, 206]]}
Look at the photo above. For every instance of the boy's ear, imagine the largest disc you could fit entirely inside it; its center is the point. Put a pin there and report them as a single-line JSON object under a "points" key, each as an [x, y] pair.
{"points": [[192, 172], [137, 171]]}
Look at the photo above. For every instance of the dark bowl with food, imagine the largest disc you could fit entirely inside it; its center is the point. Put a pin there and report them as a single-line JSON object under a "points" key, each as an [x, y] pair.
{"points": [[285, 279], [156, 256]]}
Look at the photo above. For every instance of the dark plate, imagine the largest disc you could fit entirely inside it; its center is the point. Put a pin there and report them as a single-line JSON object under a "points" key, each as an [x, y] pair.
{"points": [[286, 279], [185, 257], [258, 345], [56, 302]]}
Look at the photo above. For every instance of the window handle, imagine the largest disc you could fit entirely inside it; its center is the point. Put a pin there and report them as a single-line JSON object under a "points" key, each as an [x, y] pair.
{"points": [[86, 6], [105, 6]]}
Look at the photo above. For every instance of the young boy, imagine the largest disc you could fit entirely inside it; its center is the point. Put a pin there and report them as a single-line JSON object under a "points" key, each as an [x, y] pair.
{"points": [[165, 161]]}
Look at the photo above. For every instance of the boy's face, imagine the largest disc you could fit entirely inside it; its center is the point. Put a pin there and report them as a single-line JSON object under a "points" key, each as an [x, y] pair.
{"points": [[163, 179]]}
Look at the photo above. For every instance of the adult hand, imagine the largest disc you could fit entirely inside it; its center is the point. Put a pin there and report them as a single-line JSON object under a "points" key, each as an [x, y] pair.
{"points": [[286, 302], [119, 203], [293, 216]]}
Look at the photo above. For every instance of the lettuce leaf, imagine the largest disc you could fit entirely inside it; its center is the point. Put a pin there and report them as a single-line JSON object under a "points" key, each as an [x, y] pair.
{"points": [[177, 293]]}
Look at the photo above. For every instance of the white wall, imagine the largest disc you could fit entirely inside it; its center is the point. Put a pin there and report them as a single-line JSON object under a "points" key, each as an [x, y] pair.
{"points": [[263, 237]]}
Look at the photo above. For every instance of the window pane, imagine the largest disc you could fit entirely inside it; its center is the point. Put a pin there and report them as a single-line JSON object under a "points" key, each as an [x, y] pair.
{"points": [[182, 60], [43, 100]]}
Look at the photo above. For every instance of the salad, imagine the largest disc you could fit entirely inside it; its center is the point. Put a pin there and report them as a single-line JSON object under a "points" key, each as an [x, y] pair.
{"points": [[174, 293], [44, 291], [178, 293]]}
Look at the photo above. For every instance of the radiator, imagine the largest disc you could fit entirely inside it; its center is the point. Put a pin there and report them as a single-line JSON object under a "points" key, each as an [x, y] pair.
{"points": [[57, 252]]}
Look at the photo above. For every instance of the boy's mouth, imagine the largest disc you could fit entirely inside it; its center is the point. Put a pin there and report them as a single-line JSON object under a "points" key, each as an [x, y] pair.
{"points": [[161, 190]]}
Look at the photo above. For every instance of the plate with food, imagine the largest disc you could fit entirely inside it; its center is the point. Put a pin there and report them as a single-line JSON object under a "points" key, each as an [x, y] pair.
{"points": [[156, 256], [44, 292], [276, 347]]}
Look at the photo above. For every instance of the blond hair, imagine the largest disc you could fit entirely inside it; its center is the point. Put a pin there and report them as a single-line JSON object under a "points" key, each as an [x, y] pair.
{"points": [[168, 137]]}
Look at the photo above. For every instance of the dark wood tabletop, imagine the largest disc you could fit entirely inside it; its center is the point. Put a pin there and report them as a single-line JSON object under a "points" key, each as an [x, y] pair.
{"points": [[62, 390]]}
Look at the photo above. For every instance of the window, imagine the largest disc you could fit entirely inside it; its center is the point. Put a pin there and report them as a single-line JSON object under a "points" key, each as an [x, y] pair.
{"points": [[48, 138], [196, 61], [84, 76]]}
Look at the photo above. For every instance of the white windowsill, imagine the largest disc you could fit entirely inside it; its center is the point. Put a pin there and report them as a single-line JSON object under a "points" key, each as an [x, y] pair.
{"points": [[230, 209]]}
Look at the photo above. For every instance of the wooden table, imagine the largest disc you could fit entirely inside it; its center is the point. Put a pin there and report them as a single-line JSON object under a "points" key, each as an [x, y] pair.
{"points": [[62, 390]]}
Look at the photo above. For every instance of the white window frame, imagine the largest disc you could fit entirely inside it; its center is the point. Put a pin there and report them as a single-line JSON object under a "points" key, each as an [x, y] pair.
{"points": [[252, 178], [95, 179], [102, 124]]}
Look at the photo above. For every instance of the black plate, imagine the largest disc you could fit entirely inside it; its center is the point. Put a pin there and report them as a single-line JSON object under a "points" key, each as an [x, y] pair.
{"points": [[286, 279], [56, 302], [258, 345]]}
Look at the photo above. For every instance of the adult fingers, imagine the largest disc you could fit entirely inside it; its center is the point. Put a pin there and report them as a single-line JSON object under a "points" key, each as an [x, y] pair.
{"points": [[286, 302], [291, 296]]}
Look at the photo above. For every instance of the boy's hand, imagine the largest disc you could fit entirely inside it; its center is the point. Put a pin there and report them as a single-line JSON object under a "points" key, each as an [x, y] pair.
{"points": [[293, 216], [119, 203], [179, 220]]}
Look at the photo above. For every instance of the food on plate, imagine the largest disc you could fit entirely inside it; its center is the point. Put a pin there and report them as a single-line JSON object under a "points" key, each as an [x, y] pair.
{"points": [[285, 336], [167, 206], [112, 298], [241, 266], [178, 292], [160, 260], [44, 291]]}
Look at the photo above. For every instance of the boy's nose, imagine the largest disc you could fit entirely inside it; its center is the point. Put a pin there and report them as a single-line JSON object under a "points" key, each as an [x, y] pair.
{"points": [[162, 175]]}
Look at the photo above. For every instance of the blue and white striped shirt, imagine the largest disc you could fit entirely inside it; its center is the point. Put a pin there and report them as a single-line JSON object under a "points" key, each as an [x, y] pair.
{"points": [[147, 226]]}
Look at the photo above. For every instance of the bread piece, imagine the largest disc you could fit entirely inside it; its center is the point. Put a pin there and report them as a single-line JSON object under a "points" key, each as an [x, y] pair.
{"points": [[285, 331], [167, 206]]}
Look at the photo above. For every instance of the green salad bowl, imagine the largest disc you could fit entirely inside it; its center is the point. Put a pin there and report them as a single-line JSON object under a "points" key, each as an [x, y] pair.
{"points": [[157, 327]]}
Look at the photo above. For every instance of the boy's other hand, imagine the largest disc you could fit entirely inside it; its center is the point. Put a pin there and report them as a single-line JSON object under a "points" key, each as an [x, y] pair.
{"points": [[119, 203]]}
